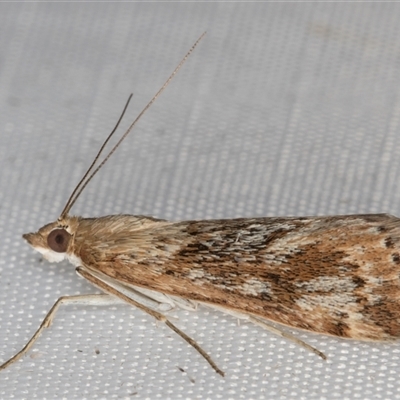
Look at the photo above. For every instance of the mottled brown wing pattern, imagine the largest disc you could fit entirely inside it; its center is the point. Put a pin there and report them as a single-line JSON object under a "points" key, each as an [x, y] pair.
{"points": [[333, 275]]}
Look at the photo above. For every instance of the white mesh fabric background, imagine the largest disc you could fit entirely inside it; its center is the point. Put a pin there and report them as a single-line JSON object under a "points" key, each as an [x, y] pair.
{"points": [[283, 109]]}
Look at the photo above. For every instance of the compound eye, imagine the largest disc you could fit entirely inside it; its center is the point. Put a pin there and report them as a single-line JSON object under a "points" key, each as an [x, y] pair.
{"points": [[58, 240]]}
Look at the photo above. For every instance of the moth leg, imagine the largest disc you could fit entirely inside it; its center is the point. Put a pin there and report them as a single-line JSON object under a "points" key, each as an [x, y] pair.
{"points": [[150, 298], [264, 324], [286, 335], [96, 280], [167, 299], [89, 299]]}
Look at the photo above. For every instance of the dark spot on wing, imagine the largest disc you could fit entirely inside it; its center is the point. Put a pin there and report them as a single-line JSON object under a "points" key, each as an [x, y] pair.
{"points": [[396, 258], [389, 242]]}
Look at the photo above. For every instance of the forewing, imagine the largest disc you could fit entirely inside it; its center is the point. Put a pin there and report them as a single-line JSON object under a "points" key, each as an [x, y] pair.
{"points": [[334, 275]]}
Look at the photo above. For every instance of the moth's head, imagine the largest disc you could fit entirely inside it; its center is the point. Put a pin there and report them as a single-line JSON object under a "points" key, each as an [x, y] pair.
{"points": [[52, 240]]}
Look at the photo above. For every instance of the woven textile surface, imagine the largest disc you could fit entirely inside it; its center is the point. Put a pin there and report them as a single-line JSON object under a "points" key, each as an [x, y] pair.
{"points": [[283, 109]]}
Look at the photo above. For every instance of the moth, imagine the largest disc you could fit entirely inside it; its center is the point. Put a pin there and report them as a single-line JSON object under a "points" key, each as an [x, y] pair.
{"points": [[335, 275]]}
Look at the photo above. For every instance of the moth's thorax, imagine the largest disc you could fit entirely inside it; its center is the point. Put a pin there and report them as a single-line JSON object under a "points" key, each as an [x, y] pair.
{"points": [[87, 235], [39, 240]]}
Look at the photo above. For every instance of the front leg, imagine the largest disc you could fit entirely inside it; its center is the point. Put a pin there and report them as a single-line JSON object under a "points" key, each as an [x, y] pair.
{"points": [[85, 299]]}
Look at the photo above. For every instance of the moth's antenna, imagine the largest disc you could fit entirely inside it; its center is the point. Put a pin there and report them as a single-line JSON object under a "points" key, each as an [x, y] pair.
{"points": [[86, 179], [68, 206]]}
